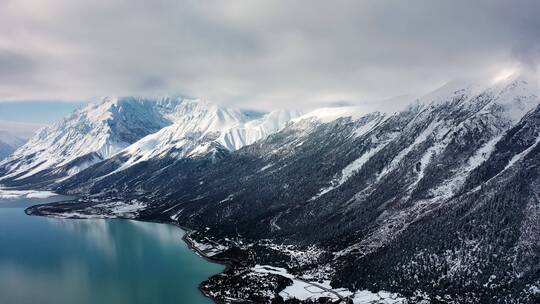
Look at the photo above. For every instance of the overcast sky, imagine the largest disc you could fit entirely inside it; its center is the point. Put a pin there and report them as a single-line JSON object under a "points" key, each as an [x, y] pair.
{"points": [[258, 54]]}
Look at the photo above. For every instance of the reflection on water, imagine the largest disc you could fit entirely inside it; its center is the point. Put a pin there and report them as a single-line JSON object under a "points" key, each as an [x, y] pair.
{"points": [[70, 282], [166, 234], [95, 232], [45, 260]]}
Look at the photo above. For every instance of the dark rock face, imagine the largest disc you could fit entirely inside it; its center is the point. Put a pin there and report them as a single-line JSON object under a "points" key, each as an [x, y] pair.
{"points": [[441, 199]]}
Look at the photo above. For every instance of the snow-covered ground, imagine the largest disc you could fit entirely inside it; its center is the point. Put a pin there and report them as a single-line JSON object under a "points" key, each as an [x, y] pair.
{"points": [[209, 249], [112, 209], [123, 209], [308, 290]]}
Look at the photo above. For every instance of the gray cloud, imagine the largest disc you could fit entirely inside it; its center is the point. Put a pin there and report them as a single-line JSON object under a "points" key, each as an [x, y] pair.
{"points": [[15, 66], [260, 54]]}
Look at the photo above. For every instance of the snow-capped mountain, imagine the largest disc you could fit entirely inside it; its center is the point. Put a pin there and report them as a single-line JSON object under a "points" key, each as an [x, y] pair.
{"points": [[9, 143], [493, 107], [137, 129], [435, 199], [203, 127], [87, 136]]}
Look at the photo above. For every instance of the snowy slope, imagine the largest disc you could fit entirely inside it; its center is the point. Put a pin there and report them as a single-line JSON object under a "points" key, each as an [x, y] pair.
{"points": [[391, 141], [200, 127], [514, 95], [328, 114], [90, 134], [251, 131], [138, 129], [455, 108]]}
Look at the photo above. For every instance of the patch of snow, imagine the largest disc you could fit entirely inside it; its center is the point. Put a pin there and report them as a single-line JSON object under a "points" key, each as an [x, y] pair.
{"points": [[431, 152], [308, 290], [209, 249], [266, 167], [513, 160], [355, 166], [450, 186], [170, 208], [423, 136], [326, 115], [349, 171], [305, 256], [123, 209], [200, 150], [228, 198], [301, 290], [18, 194], [273, 223], [382, 297], [176, 215], [272, 270], [370, 125], [524, 153]]}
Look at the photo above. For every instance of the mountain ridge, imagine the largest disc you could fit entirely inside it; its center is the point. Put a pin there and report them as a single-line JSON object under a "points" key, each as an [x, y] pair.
{"points": [[110, 126], [438, 201]]}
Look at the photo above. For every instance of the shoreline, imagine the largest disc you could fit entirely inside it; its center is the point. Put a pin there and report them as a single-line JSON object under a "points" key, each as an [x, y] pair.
{"points": [[189, 243], [197, 251], [185, 238]]}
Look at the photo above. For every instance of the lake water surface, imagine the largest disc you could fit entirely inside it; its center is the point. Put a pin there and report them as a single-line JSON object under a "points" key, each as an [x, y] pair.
{"points": [[46, 260]]}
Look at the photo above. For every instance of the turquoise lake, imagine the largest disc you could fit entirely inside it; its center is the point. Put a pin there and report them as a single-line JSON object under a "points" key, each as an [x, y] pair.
{"points": [[47, 260]]}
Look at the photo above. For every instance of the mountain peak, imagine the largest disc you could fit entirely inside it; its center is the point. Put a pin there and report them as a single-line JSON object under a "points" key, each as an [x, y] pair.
{"points": [[139, 128], [95, 132], [202, 123]]}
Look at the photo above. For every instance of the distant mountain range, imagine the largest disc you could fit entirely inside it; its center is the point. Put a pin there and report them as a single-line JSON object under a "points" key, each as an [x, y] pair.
{"points": [[9, 143], [13, 135], [137, 129], [438, 202]]}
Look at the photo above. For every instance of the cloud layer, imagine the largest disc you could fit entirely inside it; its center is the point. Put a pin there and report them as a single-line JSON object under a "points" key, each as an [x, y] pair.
{"points": [[258, 54]]}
